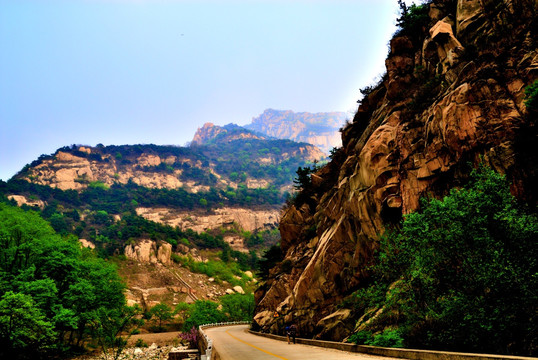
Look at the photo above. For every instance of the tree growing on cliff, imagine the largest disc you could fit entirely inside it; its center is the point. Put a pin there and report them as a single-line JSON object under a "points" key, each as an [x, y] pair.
{"points": [[462, 273]]}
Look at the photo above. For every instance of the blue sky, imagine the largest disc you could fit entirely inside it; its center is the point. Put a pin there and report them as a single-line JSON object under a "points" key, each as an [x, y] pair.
{"points": [[153, 71]]}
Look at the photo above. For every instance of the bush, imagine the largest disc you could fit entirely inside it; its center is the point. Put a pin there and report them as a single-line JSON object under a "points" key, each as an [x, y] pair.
{"points": [[361, 338], [412, 19], [141, 343], [202, 312], [531, 97], [388, 338]]}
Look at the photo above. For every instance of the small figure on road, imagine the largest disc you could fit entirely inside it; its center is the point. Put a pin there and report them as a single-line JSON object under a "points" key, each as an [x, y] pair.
{"points": [[292, 333], [288, 333]]}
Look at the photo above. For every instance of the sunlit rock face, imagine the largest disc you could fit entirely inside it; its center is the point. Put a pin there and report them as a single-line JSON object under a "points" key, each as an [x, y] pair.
{"points": [[452, 96], [319, 129]]}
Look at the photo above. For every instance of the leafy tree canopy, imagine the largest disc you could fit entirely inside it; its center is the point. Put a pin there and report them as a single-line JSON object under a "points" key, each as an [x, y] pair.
{"points": [[462, 273], [51, 289]]}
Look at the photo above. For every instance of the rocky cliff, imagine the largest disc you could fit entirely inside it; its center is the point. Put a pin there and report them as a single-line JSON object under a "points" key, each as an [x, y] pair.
{"points": [[452, 96], [319, 129]]}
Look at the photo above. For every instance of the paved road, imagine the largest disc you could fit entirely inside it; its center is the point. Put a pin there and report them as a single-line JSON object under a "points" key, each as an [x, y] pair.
{"points": [[235, 343]]}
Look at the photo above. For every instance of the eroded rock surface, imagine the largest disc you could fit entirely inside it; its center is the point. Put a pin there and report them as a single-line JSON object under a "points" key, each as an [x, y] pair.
{"points": [[448, 100]]}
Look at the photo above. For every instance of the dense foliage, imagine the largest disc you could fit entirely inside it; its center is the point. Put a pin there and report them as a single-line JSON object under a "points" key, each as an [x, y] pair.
{"points": [[531, 98], [234, 307], [461, 274], [53, 294], [64, 209]]}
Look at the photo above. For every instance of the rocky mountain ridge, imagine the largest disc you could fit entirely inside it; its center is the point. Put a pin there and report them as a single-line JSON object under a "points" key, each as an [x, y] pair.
{"points": [[210, 132], [319, 129], [453, 94]]}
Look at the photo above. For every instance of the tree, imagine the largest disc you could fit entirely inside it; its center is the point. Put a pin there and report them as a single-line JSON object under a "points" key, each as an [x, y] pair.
{"points": [[531, 98], [111, 328], [202, 312], [63, 287], [24, 330], [462, 273], [303, 180], [238, 307], [162, 312]]}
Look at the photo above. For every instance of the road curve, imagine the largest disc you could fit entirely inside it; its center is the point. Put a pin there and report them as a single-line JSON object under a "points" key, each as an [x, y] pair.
{"points": [[235, 343]]}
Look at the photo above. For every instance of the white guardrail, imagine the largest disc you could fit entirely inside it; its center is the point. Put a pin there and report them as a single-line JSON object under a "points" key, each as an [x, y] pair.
{"points": [[209, 342]]}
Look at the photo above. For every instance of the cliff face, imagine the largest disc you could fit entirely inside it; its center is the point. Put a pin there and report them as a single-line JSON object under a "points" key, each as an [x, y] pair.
{"points": [[453, 94], [319, 129]]}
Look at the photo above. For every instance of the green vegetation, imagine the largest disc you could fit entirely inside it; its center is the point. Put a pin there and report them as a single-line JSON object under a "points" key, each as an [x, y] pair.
{"points": [[202, 312], [238, 307], [413, 19], [235, 307], [220, 270], [111, 236], [388, 338], [54, 296], [461, 274], [270, 259], [531, 98], [162, 313]]}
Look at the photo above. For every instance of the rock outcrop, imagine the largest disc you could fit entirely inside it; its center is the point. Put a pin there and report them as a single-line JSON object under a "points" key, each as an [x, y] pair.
{"points": [[147, 251], [319, 129], [452, 96], [246, 219], [22, 200]]}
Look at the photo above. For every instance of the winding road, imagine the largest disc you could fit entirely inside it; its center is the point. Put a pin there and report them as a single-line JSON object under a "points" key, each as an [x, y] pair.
{"points": [[236, 343]]}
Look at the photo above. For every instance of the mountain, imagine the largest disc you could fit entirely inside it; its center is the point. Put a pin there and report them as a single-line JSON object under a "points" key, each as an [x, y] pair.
{"points": [[220, 157], [155, 203], [453, 96], [210, 133], [320, 129]]}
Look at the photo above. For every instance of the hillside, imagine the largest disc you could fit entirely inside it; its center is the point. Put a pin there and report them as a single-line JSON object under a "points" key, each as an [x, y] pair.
{"points": [[319, 129], [453, 96], [239, 179], [169, 211]]}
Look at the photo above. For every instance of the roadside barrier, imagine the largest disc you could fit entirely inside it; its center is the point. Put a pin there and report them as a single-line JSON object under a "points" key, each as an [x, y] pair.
{"points": [[205, 344], [412, 354]]}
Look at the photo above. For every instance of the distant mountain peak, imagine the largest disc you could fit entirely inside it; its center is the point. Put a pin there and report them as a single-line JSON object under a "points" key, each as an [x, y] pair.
{"points": [[319, 129], [210, 133]]}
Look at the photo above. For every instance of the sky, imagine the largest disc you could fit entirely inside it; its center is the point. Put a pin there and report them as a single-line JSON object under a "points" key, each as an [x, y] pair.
{"points": [[116, 72]]}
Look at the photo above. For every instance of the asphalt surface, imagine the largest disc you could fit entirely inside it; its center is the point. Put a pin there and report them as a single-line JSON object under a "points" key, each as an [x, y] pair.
{"points": [[235, 343]]}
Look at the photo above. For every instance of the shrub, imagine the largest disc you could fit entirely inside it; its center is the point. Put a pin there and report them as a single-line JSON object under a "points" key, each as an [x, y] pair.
{"points": [[388, 338], [531, 97], [361, 337], [141, 343], [412, 19]]}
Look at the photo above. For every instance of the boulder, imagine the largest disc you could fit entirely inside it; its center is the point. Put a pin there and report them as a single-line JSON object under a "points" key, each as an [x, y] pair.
{"points": [[239, 289]]}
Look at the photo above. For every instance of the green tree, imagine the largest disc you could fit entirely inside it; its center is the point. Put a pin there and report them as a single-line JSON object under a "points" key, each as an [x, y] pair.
{"points": [[111, 328], [24, 329], [238, 307], [463, 272], [55, 280], [162, 313], [202, 312]]}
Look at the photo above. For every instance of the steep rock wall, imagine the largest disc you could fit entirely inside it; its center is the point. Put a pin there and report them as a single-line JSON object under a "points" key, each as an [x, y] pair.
{"points": [[452, 95]]}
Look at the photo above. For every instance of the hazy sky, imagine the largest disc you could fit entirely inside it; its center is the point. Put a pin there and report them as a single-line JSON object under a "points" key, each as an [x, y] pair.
{"points": [[152, 71]]}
